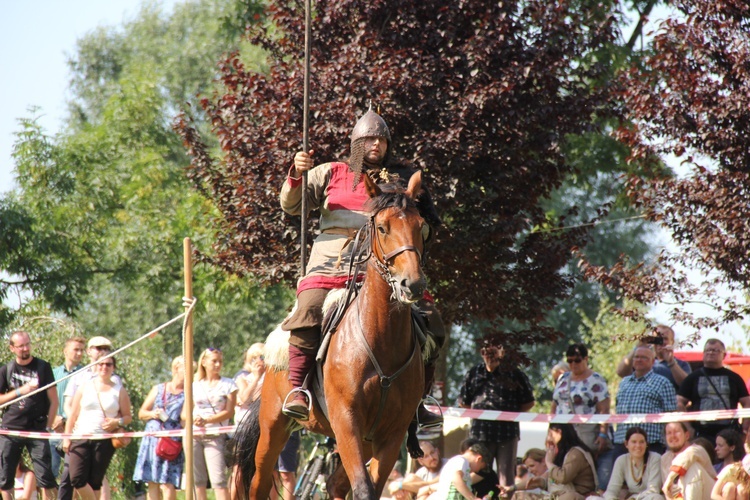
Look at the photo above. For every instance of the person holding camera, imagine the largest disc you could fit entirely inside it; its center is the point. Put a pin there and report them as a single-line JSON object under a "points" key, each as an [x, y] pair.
{"points": [[673, 369]]}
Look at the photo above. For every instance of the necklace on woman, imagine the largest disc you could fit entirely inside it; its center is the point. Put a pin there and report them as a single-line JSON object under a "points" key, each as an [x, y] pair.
{"points": [[637, 478]]}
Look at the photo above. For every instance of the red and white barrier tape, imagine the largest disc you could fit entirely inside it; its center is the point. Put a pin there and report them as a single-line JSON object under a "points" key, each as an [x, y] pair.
{"points": [[197, 432], [501, 416], [632, 418]]}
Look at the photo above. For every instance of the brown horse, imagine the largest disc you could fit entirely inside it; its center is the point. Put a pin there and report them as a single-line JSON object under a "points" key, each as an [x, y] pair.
{"points": [[373, 373]]}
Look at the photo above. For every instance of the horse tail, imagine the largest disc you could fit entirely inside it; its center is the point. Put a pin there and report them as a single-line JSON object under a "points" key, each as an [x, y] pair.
{"points": [[246, 444]]}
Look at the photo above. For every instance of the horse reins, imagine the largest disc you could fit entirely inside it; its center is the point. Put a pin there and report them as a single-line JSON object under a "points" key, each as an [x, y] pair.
{"points": [[357, 259]]}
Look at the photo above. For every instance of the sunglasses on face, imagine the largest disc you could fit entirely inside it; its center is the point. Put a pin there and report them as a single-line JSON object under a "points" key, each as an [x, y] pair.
{"points": [[574, 360], [107, 364]]}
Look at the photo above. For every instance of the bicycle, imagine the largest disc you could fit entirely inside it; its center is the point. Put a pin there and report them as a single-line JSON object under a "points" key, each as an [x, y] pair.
{"points": [[321, 463]]}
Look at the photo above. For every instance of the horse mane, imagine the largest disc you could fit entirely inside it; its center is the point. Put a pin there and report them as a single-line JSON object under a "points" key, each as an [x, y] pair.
{"points": [[393, 196]]}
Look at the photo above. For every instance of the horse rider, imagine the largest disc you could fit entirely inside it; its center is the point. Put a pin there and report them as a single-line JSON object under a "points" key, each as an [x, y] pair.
{"points": [[337, 190]]}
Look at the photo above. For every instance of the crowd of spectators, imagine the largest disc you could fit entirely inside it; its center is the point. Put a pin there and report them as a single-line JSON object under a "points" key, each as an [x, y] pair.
{"points": [[698, 460], [647, 461]]}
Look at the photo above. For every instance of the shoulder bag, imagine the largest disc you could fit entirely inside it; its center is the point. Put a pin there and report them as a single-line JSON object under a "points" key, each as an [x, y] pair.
{"points": [[167, 448]]}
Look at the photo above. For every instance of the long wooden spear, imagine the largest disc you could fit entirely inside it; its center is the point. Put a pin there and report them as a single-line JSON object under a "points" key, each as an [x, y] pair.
{"points": [[305, 136]]}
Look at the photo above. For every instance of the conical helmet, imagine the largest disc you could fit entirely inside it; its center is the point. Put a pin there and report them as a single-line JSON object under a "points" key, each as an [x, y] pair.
{"points": [[371, 125]]}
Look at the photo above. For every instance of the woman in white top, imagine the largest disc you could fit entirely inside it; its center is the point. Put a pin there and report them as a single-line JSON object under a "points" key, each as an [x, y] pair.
{"points": [[637, 474], [583, 391], [100, 405], [214, 398]]}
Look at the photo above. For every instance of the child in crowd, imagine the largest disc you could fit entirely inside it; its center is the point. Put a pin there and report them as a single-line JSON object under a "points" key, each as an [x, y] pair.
{"points": [[455, 478]]}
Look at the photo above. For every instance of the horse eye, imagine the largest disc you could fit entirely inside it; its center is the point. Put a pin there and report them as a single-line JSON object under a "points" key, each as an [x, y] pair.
{"points": [[381, 229]]}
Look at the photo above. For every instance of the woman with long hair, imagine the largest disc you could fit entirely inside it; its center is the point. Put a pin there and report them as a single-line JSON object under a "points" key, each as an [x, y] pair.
{"points": [[214, 398], [733, 482], [729, 448], [161, 410], [100, 405], [571, 469], [637, 474]]}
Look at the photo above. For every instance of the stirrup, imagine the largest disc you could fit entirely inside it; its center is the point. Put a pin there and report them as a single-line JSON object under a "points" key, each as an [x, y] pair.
{"points": [[292, 413], [429, 427]]}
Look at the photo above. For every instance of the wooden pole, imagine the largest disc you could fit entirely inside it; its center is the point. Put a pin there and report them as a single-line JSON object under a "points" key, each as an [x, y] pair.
{"points": [[187, 352], [305, 137]]}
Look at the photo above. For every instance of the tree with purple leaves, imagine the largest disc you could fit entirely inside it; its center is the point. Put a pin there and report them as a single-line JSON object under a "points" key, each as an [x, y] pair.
{"points": [[689, 98], [482, 96]]}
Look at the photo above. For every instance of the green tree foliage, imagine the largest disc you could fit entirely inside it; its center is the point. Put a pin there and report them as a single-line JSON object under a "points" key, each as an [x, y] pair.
{"points": [[609, 338], [94, 230]]}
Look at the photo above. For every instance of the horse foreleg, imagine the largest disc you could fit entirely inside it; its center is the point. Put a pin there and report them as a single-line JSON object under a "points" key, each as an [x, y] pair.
{"points": [[385, 455], [338, 484], [274, 433], [353, 456], [412, 442]]}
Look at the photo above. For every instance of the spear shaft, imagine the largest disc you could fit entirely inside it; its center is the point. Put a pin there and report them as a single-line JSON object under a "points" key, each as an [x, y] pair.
{"points": [[305, 137]]}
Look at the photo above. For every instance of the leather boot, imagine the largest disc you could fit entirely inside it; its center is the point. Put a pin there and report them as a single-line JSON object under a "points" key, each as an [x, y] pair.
{"points": [[300, 363], [425, 418]]}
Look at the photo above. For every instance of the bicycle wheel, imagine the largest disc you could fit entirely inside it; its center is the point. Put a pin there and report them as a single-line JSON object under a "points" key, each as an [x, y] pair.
{"points": [[307, 488]]}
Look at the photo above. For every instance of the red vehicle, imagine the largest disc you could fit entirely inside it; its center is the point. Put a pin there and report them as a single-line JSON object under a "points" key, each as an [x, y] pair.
{"points": [[738, 363]]}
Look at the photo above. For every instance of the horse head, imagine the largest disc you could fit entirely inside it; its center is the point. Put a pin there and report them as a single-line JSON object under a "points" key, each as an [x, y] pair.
{"points": [[396, 230]]}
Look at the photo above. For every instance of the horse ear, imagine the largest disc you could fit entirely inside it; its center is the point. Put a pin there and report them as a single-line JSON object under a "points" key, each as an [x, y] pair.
{"points": [[415, 185], [371, 188]]}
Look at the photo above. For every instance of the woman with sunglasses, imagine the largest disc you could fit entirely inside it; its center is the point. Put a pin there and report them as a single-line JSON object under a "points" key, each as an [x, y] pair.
{"points": [[584, 392], [161, 410], [100, 405], [214, 398]]}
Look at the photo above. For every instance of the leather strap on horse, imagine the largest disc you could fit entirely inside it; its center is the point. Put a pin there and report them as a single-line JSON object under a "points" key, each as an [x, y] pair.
{"points": [[385, 381]]}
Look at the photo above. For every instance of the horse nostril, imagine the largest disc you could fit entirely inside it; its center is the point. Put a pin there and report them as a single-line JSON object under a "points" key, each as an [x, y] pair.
{"points": [[415, 287]]}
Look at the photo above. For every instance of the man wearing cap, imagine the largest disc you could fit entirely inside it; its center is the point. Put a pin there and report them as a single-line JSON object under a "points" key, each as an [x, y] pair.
{"points": [[98, 347], [337, 191], [20, 377], [493, 385]]}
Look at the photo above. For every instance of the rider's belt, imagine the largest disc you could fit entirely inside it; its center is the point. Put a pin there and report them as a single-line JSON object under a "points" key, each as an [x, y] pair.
{"points": [[350, 233]]}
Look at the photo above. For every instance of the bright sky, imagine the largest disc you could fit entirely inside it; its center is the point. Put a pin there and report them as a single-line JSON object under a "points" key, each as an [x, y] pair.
{"points": [[36, 37]]}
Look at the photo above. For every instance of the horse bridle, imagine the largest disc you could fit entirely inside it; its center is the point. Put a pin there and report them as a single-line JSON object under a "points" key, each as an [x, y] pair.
{"points": [[382, 264]]}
